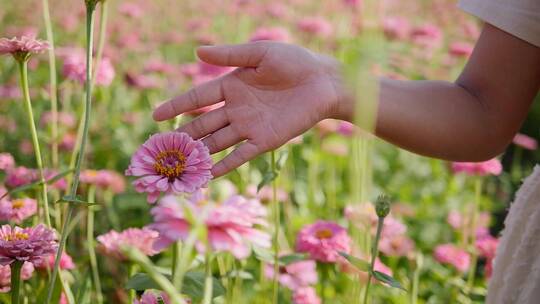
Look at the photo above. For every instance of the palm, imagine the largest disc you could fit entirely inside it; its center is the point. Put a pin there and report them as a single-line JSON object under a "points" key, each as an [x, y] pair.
{"points": [[279, 92]]}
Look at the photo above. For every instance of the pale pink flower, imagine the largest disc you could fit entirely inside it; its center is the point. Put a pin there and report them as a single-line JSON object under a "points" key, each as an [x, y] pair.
{"points": [[65, 119], [171, 163], [317, 26], [112, 243], [353, 3], [487, 246], [305, 295], [6, 161], [427, 35], [131, 10], [265, 195], [461, 49], [142, 81], [66, 262], [159, 66], [30, 244], [19, 176], [67, 142], [453, 255], [454, 219], [231, 225], [525, 141], [21, 48], [271, 33], [5, 275], [10, 91], [74, 68], [17, 210], [399, 245], [396, 28], [323, 240], [150, 297], [489, 167], [294, 275]]}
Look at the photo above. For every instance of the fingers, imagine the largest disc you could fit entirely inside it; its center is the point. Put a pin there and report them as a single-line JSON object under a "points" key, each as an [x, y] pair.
{"points": [[241, 55], [245, 152], [200, 96], [205, 124], [222, 139]]}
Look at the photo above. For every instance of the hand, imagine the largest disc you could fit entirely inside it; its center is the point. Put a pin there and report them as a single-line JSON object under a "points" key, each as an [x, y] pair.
{"points": [[278, 92]]}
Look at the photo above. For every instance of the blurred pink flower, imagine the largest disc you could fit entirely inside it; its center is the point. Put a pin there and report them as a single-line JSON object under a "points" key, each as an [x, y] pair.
{"points": [[525, 141], [322, 240], [65, 119], [170, 163], [6, 161], [453, 255], [10, 91], [454, 218], [131, 9], [295, 275], [159, 66], [266, 193], [399, 245], [5, 275], [316, 26], [487, 246], [346, 128], [271, 33], [461, 49], [427, 35], [74, 68], [112, 243], [150, 297], [66, 262], [17, 210], [19, 176], [231, 225], [396, 28], [22, 47], [30, 244], [490, 167], [353, 3], [142, 81], [305, 295], [67, 142]]}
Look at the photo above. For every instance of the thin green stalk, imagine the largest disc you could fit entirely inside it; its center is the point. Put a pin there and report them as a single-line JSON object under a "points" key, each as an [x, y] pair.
{"points": [[23, 69], [103, 12], [90, 243], [131, 273], [90, 7], [416, 278], [207, 299], [16, 281], [176, 263], [374, 253], [474, 255], [276, 211]]}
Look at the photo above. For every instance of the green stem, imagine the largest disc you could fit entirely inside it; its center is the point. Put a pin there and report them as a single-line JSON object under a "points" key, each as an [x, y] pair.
{"points": [[176, 263], [416, 279], [474, 255], [207, 299], [16, 281], [276, 212], [132, 292], [23, 69], [90, 7], [374, 253], [90, 243], [102, 35]]}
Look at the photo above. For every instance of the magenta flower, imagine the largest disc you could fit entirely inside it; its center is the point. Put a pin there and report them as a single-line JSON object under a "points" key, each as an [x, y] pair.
{"points": [[170, 163], [21, 48], [66, 262], [323, 240], [6, 161], [316, 26], [30, 244], [487, 246], [231, 225], [17, 210], [490, 167], [5, 275], [74, 67], [294, 275], [305, 295], [20, 176], [112, 243], [461, 49], [271, 33], [453, 255], [150, 297], [526, 142]]}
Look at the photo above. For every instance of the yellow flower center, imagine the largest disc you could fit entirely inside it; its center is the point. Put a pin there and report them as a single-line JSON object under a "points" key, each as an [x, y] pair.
{"points": [[17, 204], [323, 234], [16, 236], [92, 173], [170, 163]]}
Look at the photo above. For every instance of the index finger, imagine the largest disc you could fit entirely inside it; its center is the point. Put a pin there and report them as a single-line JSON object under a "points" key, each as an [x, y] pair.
{"points": [[200, 96]]}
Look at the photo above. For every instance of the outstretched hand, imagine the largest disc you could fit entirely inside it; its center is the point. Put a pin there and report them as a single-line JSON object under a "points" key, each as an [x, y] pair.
{"points": [[278, 92]]}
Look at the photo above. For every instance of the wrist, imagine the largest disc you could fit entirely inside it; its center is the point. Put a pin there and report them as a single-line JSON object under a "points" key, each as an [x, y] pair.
{"points": [[341, 106]]}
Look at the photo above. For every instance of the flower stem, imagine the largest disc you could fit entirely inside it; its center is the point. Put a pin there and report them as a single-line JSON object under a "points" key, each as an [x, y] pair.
{"points": [[207, 299], [90, 7], [176, 263], [276, 211], [102, 35], [474, 220], [16, 281], [90, 243], [374, 253], [132, 292]]}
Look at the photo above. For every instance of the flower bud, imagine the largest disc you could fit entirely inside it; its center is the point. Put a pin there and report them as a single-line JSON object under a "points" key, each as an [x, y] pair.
{"points": [[382, 206]]}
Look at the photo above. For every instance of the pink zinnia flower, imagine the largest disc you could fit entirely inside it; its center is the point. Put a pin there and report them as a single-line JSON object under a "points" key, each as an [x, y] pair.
{"points": [[5, 275], [295, 275], [271, 33], [74, 68], [461, 49], [490, 167], [150, 297], [112, 243], [6, 161], [170, 163], [10, 91], [487, 246], [17, 210], [20, 176], [231, 225], [30, 244], [427, 35], [453, 255], [22, 48], [132, 10], [265, 195], [525, 141], [316, 26], [65, 119], [66, 262], [305, 295], [396, 28], [399, 245], [322, 240]]}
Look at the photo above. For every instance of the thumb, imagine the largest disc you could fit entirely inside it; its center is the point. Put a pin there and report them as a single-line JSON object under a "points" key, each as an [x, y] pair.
{"points": [[240, 55]]}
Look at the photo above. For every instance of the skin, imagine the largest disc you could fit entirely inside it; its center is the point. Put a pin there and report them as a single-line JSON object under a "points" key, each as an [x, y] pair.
{"points": [[279, 91]]}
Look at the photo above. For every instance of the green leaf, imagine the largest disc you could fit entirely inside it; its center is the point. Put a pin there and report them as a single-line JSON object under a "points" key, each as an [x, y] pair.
{"points": [[244, 275], [387, 279], [292, 258], [193, 285], [37, 183], [263, 254], [268, 177], [356, 262], [282, 159]]}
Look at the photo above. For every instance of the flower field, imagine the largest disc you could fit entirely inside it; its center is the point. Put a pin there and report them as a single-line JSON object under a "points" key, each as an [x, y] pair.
{"points": [[99, 203]]}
